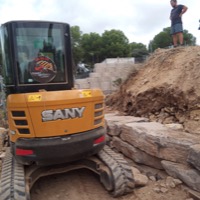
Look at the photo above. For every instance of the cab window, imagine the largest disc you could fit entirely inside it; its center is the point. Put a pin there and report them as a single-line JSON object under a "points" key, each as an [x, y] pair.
{"points": [[40, 55]]}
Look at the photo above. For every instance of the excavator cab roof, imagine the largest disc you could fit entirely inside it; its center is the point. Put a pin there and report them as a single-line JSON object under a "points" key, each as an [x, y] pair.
{"points": [[36, 55]]}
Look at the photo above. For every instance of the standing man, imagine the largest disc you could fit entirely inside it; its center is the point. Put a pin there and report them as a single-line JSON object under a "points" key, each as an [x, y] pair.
{"points": [[176, 22]]}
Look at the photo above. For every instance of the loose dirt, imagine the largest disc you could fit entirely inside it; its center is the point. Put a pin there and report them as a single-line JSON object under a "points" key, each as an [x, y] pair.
{"points": [[166, 89], [84, 185]]}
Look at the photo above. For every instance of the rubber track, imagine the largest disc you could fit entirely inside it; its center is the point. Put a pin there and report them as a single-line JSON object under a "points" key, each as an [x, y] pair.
{"points": [[12, 183], [122, 174]]}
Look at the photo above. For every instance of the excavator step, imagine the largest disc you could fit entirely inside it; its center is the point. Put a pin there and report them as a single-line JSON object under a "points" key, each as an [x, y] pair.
{"points": [[114, 172]]}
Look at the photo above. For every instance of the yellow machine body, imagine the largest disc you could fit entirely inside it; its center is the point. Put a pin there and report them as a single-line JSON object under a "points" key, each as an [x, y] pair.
{"points": [[68, 112]]}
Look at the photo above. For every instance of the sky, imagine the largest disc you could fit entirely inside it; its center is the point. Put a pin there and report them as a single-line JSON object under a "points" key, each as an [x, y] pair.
{"points": [[139, 20]]}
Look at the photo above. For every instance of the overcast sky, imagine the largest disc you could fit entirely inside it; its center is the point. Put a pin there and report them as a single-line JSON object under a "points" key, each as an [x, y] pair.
{"points": [[140, 20]]}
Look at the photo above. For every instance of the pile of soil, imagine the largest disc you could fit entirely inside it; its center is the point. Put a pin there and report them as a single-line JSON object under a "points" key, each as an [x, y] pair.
{"points": [[166, 89]]}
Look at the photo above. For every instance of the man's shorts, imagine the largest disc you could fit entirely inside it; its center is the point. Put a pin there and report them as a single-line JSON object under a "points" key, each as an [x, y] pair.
{"points": [[176, 28]]}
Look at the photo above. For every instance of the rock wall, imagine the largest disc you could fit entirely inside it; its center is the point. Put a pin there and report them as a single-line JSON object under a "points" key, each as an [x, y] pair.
{"points": [[156, 145]]}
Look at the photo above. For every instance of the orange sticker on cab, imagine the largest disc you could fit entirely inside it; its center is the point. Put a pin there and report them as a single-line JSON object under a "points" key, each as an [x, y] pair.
{"points": [[34, 97], [86, 93]]}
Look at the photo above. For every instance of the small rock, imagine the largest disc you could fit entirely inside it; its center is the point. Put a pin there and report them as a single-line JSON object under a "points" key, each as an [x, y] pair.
{"points": [[135, 170], [160, 175], [140, 180], [152, 178], [177, 181], [172, 185], [157, 190], [2, 155], [163, 190], [170, 182], [163, 185], [175, 126]]}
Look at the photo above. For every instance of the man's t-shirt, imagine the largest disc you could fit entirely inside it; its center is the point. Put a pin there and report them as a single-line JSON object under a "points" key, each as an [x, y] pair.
{"points": [[175, 12]]}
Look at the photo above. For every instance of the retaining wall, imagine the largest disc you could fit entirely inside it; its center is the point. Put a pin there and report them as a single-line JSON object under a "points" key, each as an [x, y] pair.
{"points": [[108, 75]]}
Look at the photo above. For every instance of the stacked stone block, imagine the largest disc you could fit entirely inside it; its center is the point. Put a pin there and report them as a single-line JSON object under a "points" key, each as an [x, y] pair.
{"points": [[107, 75]]}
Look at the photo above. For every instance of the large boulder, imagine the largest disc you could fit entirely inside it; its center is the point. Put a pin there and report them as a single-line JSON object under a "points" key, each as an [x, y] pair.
{"points": [[115, 121], [136, 154], [194, 156], [159, 141], [188, 175]]}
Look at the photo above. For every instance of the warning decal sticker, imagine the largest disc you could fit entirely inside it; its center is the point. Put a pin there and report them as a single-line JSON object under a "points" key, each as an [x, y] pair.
{"points": [[43, 69]]}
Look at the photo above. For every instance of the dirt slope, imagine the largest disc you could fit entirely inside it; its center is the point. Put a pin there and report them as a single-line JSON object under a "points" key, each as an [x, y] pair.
{"points": [[166, 89]]}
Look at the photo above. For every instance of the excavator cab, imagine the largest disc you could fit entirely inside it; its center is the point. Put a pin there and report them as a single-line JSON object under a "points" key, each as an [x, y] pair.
{"points": [[49, 122], [36, 55]]}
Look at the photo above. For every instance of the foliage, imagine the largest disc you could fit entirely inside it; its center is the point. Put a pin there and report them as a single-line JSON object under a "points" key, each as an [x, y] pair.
{"points": [[114, 44], [138, 50], [92, 44], [164, 39], [77, 50], [189, 39], [92, 48], [117, 82]]}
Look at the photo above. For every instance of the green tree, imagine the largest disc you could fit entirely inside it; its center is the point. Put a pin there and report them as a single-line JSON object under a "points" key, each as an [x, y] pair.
{"points": [[138, 50], [161, 40], [189, 39], [114, 44], [164, 39], [91, 45], [77, 51]]}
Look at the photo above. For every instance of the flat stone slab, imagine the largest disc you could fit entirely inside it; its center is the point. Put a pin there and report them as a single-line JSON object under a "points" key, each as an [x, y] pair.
{"points": [[114, 122], [159, 141], [136, 154], [188, 175], [194, 156]]}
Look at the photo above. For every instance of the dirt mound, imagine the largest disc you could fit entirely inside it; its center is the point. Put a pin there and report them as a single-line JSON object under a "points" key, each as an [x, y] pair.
{"points": [[166, 89]]}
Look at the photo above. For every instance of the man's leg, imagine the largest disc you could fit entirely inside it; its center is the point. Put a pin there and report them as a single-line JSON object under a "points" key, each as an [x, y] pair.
{"points": [[179, 32], [180, 37], [175, 39]]}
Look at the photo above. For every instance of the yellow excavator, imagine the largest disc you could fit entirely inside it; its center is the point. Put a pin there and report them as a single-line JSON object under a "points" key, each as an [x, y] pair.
{"points": [[52, 127]]}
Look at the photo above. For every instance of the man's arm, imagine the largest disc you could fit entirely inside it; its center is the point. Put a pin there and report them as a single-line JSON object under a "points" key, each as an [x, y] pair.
{"points": [[183, 10]]}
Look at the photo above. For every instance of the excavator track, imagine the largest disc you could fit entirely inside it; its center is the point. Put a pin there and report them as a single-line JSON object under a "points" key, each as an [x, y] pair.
{"points": [[114, 172], [12, 183], [123, 181]]}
